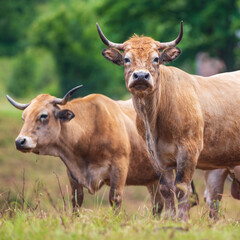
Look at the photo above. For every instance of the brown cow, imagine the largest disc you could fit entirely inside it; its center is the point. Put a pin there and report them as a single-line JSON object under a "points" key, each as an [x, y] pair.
{"points": [[184, 115], [97, 140], [214, 181]]}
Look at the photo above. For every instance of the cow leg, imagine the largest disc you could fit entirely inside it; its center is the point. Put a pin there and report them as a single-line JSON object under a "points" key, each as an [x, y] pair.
{"points": [[194, 199], [235, 188], [214, 181], [186, 164], [77, 193], [156, 198], [117, 182], [167, 190]]}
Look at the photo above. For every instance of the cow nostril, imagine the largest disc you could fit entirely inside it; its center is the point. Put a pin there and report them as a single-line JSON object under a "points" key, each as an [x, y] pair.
{"points": [[147, 76], [22, 141], [135, 76]]}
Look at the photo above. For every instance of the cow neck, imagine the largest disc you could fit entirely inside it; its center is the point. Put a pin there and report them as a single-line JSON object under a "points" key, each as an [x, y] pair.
{"points": [[146, 108], [160, 104], [166, 88], [66, 154], [67, 144], [152, 110]]}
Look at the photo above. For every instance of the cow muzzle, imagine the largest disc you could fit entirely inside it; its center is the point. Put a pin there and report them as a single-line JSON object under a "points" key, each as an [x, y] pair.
{"points": [[140, 80], [24, 144]]}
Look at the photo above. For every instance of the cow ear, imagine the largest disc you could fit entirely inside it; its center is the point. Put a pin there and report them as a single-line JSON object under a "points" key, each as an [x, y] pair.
{"points": [[169, 54], [113, 55], [65, 115]]}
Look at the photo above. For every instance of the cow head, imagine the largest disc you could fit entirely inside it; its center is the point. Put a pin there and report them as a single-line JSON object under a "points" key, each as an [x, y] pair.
{"points": [[141, 57], [42, 118]]}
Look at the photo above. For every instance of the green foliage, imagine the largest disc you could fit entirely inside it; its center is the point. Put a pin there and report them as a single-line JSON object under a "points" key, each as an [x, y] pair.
{"points": [[6, 66], [66, 28], [33, 72], [23, 75], [69, 32], [16, 16]]}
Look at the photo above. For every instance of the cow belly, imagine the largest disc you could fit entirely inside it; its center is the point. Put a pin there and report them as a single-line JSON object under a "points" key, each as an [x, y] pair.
{"points": [[141, 173], [218, 158], [221, 144], [141, 181]]}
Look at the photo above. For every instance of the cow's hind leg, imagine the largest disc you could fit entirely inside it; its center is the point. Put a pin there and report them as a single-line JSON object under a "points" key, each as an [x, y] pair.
{"points": [[214, 181], [156, 198]]}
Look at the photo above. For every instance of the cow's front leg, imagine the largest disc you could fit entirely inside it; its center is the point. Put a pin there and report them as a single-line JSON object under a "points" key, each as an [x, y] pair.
{"points": [[156, 198], [117, 182], [214, 181], [167, 190], [77, 193], [186, 164]]}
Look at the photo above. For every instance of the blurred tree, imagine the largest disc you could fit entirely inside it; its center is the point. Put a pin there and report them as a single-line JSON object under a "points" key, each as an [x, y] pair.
{"points": [[33, 72], [15, 17], [213, 28], [66, 28], [208, 25], [69, 32], [21, 79]]}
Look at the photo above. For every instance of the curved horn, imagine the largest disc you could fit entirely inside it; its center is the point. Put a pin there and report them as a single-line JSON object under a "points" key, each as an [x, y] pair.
{"points": [[107, 42], [16, 104], [65, 99], [174, 42]]}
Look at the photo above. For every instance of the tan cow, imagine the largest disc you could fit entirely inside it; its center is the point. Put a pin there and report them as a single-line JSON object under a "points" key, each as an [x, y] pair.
{"points": [[97, 140], [190, 121], [214, 181]]}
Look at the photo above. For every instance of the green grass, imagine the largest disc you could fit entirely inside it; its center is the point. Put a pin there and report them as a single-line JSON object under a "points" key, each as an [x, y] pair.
{"points": [[104, 224], [38, 218]]}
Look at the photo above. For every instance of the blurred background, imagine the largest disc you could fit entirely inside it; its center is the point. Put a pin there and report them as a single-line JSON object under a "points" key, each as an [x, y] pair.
{"points": [[50, 46]]}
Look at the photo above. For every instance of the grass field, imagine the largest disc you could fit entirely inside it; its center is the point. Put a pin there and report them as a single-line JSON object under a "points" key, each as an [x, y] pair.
{"points": [[33, 178]]}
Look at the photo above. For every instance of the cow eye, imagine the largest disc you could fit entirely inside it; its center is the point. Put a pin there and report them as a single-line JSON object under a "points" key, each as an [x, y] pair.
{"points": [[43, 116], [127, 60], [156, 59]]}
